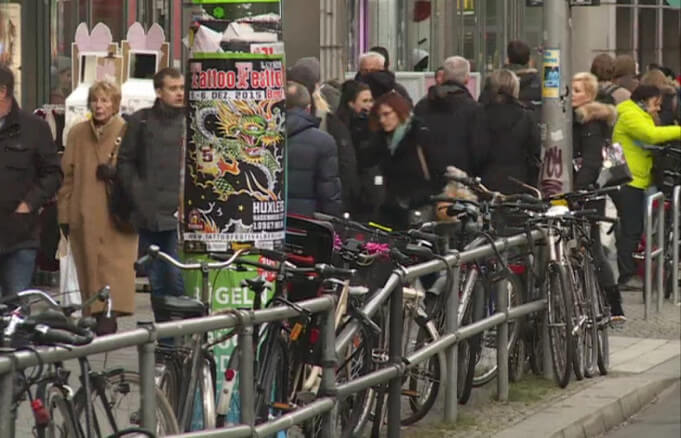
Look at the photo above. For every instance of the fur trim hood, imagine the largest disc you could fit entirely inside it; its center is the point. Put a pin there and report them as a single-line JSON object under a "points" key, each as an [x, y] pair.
{"points": [[596, 111]]}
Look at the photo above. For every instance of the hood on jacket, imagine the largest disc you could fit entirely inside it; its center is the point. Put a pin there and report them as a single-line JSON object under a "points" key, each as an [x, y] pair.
{"points": [[380, 82], [596, 111], [298, 120], [442, 95]]}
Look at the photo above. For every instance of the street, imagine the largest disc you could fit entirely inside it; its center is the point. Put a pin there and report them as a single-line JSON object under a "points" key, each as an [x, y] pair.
{"points": [[661, 419]]}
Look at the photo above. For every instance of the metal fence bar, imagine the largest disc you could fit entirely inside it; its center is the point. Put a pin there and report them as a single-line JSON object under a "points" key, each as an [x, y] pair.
{"points": [[317, 407], [7, 385], [246, 378], [660, 257], [395, 352], [658, 253], [502, 342], [329, 363], [676, 212], [451, 382], [147, 366]]}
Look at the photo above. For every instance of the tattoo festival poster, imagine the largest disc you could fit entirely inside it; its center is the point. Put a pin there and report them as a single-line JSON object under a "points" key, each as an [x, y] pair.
{"points": [[234, 179]]}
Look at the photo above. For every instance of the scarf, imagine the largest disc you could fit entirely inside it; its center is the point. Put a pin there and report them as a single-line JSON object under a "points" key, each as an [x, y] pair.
{"points": [[398, 135]]}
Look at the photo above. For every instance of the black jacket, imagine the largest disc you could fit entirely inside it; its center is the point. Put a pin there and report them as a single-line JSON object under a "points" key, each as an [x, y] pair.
{"points": [[149, 163], [591, 129], [347, 159], [382, 82], [30, 172], [407, 184], [514, 146], [313, 181], [455, 121]]}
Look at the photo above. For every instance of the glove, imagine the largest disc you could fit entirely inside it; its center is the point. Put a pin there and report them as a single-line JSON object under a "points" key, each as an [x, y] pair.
{"points": [[65, 229]]}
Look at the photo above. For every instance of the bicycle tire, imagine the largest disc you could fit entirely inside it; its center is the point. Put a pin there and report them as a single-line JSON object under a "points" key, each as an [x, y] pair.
{"points": [[431, 371], [603, 346], [468, 351], [119, 383], [592, 290], [576, 282], [57, 405], [559, 320], [514, 299]]}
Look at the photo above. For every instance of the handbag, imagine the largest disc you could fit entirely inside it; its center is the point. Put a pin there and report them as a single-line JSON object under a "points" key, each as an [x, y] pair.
{"points": [[120, 204], [615, 170]]}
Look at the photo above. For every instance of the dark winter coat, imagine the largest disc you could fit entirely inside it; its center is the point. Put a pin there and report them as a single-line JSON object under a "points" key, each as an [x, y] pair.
{"points": [[530, 89], [382, 82], [371, 191], [29, 172], [347, 159], [313, 181], [455, 121], [514, 146], [149, 165], [407, 184], [591, 129]]}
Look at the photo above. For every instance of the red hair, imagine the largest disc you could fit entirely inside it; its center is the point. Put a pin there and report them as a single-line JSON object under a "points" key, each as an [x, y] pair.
{"points": [[392, 99]]}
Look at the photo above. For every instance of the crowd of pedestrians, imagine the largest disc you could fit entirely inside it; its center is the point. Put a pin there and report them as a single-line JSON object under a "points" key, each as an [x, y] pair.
{"points": [[361, 147]]}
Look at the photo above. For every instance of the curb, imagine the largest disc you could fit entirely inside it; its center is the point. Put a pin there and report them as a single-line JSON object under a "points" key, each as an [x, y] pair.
{"points": [[615, 413]]}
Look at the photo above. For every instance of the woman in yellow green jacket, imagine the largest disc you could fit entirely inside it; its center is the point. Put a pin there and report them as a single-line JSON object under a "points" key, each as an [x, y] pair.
{"points": [[635, 128]]}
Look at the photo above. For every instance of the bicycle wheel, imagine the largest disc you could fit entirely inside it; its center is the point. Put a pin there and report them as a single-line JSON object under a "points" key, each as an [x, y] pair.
{"points": [[486, 366], [468, 351], [559, 320], [421, 383], [602, 323], [591, 292], [576, 280], [116, 398], [62, 422], [271, 379]]}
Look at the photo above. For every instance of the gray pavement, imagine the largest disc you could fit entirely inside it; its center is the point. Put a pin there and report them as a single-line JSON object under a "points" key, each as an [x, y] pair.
{"points": [[661, 419]]}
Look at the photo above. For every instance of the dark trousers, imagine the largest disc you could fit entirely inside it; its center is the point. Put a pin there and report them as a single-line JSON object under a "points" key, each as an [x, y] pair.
{"points": [[629, 202], [16, 271], [164, 278]]}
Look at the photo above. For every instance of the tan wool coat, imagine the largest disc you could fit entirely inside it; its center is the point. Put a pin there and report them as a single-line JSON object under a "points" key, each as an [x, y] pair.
{"points": [[103, 255]]}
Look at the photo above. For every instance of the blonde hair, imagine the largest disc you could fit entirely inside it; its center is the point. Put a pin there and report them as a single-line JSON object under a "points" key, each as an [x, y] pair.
{"points": [[656, 78], [504, 82], [590, 82], [109, 89]]}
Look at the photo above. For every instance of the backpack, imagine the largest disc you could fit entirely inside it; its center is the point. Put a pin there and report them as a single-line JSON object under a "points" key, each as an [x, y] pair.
{"points": [[605, 94]]}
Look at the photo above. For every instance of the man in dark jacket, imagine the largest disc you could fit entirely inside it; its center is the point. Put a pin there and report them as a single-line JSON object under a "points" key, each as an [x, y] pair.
{"points": [[30, 177], [313, 181], [149, 167], [373, 71], [518, 58], [454, 118]]}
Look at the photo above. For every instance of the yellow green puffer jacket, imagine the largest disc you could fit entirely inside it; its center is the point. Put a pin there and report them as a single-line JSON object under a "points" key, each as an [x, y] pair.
{"points": [[634, 128]]}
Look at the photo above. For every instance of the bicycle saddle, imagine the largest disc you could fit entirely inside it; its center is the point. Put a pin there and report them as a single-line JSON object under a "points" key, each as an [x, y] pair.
{"points": [[177, 307]]}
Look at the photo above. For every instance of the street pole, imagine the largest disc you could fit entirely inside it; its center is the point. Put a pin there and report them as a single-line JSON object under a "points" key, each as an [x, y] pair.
{"points": [[556, 174]]}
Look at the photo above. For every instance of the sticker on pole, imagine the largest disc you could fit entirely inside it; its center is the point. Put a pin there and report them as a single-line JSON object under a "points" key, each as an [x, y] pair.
{"points": [[234, 161], [551, 76]]}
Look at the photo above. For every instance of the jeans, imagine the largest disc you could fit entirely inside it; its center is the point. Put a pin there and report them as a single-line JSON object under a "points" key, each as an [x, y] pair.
{"points": [[629, 202], [164, 278], [16, 271]]}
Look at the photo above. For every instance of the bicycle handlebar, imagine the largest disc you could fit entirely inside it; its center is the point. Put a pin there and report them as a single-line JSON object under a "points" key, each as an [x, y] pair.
{"points": [[154, 252]]}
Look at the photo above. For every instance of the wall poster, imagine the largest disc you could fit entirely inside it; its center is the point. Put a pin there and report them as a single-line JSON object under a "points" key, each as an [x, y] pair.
{"points": [[551, 76], [234, 179]]}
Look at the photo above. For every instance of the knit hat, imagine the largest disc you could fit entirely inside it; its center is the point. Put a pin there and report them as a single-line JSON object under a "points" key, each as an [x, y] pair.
{"points": [[306, 71]]}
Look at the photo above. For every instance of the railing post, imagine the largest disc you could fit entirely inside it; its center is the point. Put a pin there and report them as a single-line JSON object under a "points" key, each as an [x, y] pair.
{"points": [[502, 341], [676, 211], [7, 412], [451, 392], [246, 383], [395, 353], [147, 367], [648, 278], [660, 252], [329, 363]]}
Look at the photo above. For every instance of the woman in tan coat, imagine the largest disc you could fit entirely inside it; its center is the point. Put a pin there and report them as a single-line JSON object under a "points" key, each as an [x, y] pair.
{"points": [[103, 254]]}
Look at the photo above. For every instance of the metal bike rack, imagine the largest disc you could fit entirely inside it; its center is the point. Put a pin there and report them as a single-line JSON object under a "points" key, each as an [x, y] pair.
{"points": [[676, 211], [657, 253]]}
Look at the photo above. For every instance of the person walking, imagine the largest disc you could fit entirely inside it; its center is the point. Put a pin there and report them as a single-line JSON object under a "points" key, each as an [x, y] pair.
{"points": [[514, 142], [518, 61], [104, 255], [313, 181], [634, 129], [454, 119], [29, 176], [610, 93], [355, 105], [149, 167], [625, 73], [403, 149], [591, 131]]}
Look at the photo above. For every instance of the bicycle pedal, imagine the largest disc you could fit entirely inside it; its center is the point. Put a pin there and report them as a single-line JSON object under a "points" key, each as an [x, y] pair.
{"points": [[284, 407]]}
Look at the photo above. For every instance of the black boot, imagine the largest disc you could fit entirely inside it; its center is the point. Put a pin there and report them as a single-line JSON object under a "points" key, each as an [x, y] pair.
{"points": [[615, 301]]}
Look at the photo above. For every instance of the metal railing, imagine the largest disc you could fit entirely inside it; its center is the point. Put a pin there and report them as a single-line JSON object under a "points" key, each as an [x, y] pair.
{"points": [[330, 393], [676, 211], [656, 254]]}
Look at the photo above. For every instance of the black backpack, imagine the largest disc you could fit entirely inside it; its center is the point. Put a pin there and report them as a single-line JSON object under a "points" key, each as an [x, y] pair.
{"points": [[605, 94]]}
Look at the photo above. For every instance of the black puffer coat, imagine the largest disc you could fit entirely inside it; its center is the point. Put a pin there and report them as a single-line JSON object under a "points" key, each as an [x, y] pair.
{"points": [[591, 129], [29, 172], [514, 146], [455, 121], [313, 181], [347, 159], [409, 179]]}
